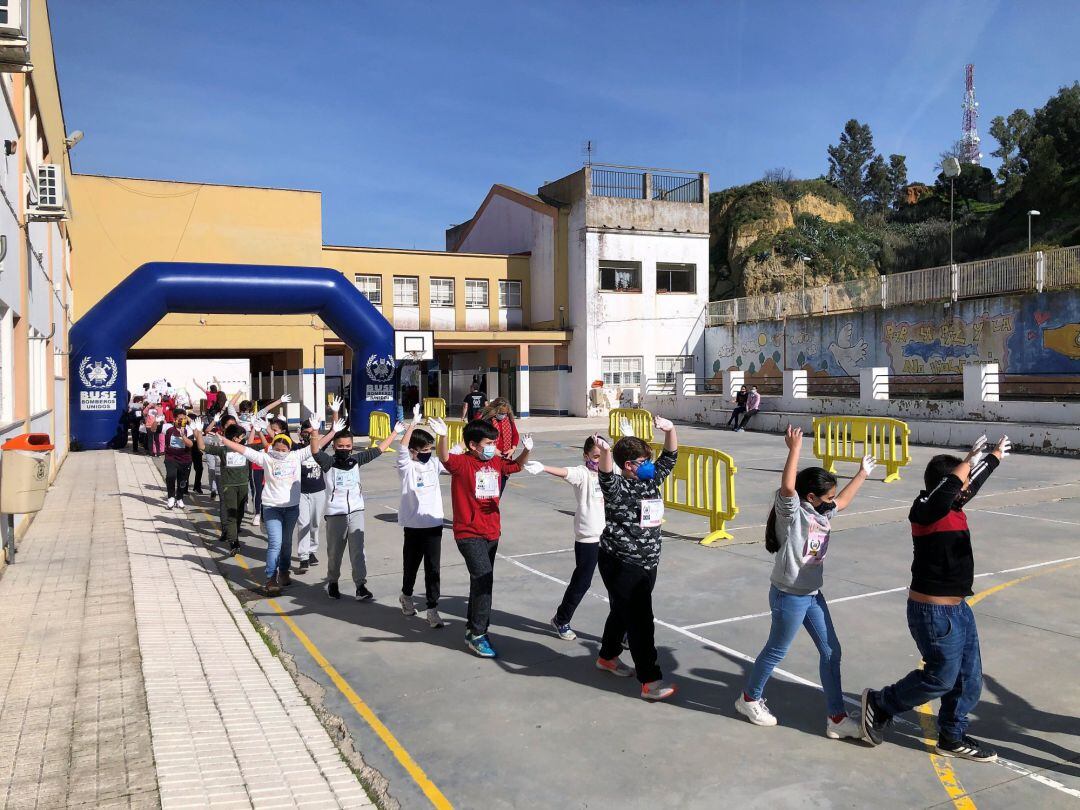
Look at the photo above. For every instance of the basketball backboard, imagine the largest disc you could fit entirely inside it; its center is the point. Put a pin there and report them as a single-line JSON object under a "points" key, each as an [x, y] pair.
{"points": [[414, 344]]}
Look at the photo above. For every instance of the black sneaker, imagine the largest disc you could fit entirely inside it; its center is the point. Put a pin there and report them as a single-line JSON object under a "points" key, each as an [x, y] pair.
{"points": [[213, 496], [302, 568], [363, 594], [234, 547], [312, 560], [332, 590], [965, 748], [874, 719]]}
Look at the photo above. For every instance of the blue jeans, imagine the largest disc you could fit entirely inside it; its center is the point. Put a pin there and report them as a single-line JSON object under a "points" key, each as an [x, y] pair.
{"points": [[952, 666], [788, 613], [280, 522]]}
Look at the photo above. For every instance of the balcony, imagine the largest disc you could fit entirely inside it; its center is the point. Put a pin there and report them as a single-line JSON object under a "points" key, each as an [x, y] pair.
{"points": [[633, 183]]}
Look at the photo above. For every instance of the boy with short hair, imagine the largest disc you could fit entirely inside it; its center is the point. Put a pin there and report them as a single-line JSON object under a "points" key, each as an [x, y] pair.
{"points": [[312, 502], [232, 478], [630, 552], [474, 493], [940, 620]]}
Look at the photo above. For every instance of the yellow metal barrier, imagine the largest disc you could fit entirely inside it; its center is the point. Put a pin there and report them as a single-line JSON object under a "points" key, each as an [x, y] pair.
{"points": [[454, 431], [434, 407], [378, 427], [849, 438], [640, 420], [702, 483]]}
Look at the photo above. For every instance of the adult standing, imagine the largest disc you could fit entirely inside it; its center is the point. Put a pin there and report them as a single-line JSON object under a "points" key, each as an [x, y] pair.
{"points": [[473, 404], [499, 415]]}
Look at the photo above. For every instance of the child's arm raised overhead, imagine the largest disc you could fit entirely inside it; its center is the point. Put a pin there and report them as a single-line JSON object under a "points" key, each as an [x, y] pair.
{"points": [[793, 440], [606, 463], [847, 494], [438, 427]]}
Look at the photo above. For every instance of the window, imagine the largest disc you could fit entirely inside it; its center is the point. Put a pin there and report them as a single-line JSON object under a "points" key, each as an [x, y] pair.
{"points": [[370, 287], [621, 370], [668, 367], [39, 384], [676, 278], [442, 292], [620, 276], [510, 294], [406, 291], [476, 293]]}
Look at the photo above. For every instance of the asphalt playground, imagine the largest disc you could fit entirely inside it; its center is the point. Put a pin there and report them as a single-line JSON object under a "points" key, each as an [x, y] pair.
{"points": [[540, 727]]}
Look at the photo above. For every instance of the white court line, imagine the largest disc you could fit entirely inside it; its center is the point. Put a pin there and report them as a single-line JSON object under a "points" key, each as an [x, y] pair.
{"points": [[842, 514], [791, 676], [1029, 517], [538, 553], [877, 593]]}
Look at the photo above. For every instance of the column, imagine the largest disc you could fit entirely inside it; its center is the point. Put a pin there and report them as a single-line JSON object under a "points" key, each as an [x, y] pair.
{"points": [[491, 366], [733, 381], [874, 384], [686, 385], [795, 384], [313, 383], [981, 384], [523, 381]]}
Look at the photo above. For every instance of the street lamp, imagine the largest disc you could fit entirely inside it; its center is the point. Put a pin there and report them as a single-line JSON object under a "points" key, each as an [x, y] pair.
{"points": [[1031, 214], [950, 167]]}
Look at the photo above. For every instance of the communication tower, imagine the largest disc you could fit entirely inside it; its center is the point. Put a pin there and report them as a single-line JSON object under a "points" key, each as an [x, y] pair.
{"points": [[969, 141]]}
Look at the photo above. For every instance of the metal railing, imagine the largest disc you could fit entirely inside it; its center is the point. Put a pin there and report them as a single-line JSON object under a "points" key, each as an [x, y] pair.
{"points": [[676, 189], [1038, 386], [616, 183], [926, 386], [833, 386], [1023, 272]]}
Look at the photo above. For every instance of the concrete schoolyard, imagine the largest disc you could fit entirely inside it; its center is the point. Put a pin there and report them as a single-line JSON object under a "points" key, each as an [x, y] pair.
{"points": [[540, 727]]}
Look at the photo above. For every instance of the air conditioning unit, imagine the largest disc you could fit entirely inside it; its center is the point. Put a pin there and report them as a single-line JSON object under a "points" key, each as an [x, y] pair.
{"points": [[11, 19], [50, 187]]}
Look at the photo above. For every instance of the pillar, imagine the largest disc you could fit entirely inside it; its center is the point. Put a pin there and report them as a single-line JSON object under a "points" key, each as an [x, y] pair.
{"points": [[523, 381], [686, 385], [795, 383], [874, 384], [981, 384], [491, 364], [313, 384], [733, 381]]}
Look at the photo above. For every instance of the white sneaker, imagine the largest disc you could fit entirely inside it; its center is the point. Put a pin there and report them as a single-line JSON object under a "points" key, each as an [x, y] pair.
{"points": [[180, 503], [434, 619], [407, 606], [171, 503], [755, 711], [845, 728], [256, 520]]}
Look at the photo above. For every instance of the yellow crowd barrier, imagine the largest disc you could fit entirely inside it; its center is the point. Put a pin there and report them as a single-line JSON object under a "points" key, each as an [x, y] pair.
{"points": [[378, 427], [640, 420], [454, 431], [434, 407], [849, 438], [702, 483]]}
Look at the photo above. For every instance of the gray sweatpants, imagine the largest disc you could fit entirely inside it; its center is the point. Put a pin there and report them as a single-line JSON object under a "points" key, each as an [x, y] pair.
{"points": [[342, 530], [312, 506]]}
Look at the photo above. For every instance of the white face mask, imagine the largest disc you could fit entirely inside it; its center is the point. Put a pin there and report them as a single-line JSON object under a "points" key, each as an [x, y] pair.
{"points": [[278, 454], [500, 416]]}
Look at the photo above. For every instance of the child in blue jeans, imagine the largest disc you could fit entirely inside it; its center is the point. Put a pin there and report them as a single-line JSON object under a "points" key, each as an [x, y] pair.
{"points": [[798, 534]]}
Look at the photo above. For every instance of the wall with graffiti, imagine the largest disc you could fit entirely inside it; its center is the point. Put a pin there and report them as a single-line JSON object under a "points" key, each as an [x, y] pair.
{"points": [[1025, 334]]}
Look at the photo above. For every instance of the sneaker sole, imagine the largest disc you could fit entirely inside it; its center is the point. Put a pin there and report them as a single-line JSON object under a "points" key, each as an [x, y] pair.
{"points": [[625, 673], [749, 719], [866, 733], [658, 698], [955, 755]]}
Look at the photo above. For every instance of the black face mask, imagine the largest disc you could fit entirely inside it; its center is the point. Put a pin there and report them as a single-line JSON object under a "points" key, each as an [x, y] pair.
{"points": [[342, 455], [424, 458], [824, 507]]}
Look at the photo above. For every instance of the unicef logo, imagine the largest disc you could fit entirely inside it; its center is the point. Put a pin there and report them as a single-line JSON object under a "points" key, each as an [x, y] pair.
{"points": [[98, 373], [380, 369]]}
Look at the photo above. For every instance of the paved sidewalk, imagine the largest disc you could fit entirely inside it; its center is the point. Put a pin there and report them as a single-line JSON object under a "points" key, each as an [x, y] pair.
{"points": [[230, 727], [74, 730]]}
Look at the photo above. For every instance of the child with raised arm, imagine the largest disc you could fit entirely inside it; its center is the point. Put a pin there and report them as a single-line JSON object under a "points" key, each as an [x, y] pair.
{"points": [[420, 515], [797, 532], [939, 618], [589, 521], [232, 478], [474, 492], [630, 552]]}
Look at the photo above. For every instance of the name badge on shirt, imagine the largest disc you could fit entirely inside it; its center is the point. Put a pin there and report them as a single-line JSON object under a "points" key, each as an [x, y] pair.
{"points": [[346, 479], [285, 469], [176, 442], [235, 459], [652, 513], [424, 479], [487, 483]]}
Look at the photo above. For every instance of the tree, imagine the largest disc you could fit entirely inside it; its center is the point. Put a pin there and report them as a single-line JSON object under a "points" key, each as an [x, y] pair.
{"points": [[848, 160], [954, 151], [878, 185], [897, 178], [1049, 148], [1009, 132]]}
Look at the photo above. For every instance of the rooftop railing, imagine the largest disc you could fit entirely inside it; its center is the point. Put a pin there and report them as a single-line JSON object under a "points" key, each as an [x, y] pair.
{"points": [[634, 183]]}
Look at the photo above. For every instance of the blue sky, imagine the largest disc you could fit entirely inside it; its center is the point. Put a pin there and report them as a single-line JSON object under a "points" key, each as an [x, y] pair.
{"points": [[404, 113]]}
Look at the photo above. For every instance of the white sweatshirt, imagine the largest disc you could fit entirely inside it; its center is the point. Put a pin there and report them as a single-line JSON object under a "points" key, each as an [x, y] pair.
{"points": [[421, 505], [281, 477]]}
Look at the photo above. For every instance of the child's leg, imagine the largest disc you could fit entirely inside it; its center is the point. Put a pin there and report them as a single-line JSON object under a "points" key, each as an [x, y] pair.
{"points": [[336, 529], [585, 565], [357, 557], [289, 515], [303, 527], [939, 635], [412, 554], [232, 501], [273, 540], [170, 478], [612, 573], [818, 624], [476, 551], [640, 626], [788, 611], [318, 509], [962, 698], [432, 560], [183, 473]]}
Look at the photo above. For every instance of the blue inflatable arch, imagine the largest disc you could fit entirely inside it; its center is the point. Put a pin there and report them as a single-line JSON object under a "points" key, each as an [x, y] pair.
{"points": [[101, 338]]}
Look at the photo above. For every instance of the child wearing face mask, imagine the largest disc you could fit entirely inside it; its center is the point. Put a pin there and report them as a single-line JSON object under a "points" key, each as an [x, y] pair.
{"points": [[630, 552], [178, 445], [797, 532], [474, 493], [345, 508], [420, 515], [589, 521]]}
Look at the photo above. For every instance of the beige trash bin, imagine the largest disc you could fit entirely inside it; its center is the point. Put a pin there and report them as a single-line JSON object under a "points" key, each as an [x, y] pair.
{"points": [[24, 474]]}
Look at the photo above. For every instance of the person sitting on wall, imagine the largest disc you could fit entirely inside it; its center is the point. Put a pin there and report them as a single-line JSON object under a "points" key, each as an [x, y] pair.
{"points": [[753, 405], [739, 409]]}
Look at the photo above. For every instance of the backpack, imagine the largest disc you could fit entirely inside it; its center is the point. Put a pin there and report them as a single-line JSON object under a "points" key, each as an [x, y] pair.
{"points": [[772, 540]]}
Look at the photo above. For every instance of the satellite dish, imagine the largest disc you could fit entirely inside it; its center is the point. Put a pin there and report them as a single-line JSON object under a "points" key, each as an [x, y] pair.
{"points": [[950, 167]]}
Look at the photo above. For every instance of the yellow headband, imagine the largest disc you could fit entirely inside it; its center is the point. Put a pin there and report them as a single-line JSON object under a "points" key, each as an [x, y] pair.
{"points": [[281, 437]]}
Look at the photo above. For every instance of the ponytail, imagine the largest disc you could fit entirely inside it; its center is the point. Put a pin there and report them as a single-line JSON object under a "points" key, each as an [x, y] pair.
{"points": [[772, 540]]}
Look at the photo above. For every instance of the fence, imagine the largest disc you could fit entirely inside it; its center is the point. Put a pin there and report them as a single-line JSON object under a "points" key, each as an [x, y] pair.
{"points": [[641, 421], [378, 427], [1022, 272], [849, 438], [616, 183], [434, 407], [455, 427], [674, 188], [702, 483]]}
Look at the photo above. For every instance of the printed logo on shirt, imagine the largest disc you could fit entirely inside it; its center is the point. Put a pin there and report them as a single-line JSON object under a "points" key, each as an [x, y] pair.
{"points": [[176, 442], [284, 469], [346, 479], [487, 483], [817, 544], [424, 479], [235, 459]]}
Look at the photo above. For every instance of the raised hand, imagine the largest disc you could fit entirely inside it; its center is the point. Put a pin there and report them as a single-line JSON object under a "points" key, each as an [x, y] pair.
{"points": [[977, 449], [438, 426], [338, 425], [416, 417], [868, 464], [602, 443], [527, 441], [285, 398], [533, 467], [625, 428], [793, 437], [400, 428], [335, 404], [662, 424], [1004, 446]]}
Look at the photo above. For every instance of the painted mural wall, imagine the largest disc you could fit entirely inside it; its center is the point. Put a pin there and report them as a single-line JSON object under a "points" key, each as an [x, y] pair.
{"points": [[1025, 334]]}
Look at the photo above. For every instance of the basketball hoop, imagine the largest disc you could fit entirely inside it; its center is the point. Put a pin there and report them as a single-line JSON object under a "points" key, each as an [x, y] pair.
{"points": [[414, 357]]}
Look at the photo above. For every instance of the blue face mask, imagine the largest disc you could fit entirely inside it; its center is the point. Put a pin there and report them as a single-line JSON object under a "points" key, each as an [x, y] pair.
{"points": [[488, 452], [646, 470]]}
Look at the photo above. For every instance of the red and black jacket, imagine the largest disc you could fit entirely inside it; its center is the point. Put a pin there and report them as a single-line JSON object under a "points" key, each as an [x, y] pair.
{"points": [[943, 563]]}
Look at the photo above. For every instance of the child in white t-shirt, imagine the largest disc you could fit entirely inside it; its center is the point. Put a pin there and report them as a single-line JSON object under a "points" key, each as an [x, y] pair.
{"points": [[420, 514], [588, 526]]}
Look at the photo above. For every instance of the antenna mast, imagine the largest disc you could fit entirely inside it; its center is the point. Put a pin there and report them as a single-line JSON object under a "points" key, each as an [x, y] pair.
{"points": [[970, 139], [587, 149]]}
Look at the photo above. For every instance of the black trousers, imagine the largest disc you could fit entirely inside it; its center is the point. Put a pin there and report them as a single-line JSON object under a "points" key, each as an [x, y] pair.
{"points": [[584, 567], [629, 590], [255, 481], [748, 417], [736, 412], [176, 479], [197, 468], [479, 554], [136, 437], [423, 545]]}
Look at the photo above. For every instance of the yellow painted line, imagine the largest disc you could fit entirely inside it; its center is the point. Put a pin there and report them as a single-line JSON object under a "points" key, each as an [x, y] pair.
{"points": [[434, 795], [974, 600]]}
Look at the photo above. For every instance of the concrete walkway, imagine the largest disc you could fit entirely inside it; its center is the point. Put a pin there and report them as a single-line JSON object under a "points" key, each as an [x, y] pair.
{"points": [[139, 681]]}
